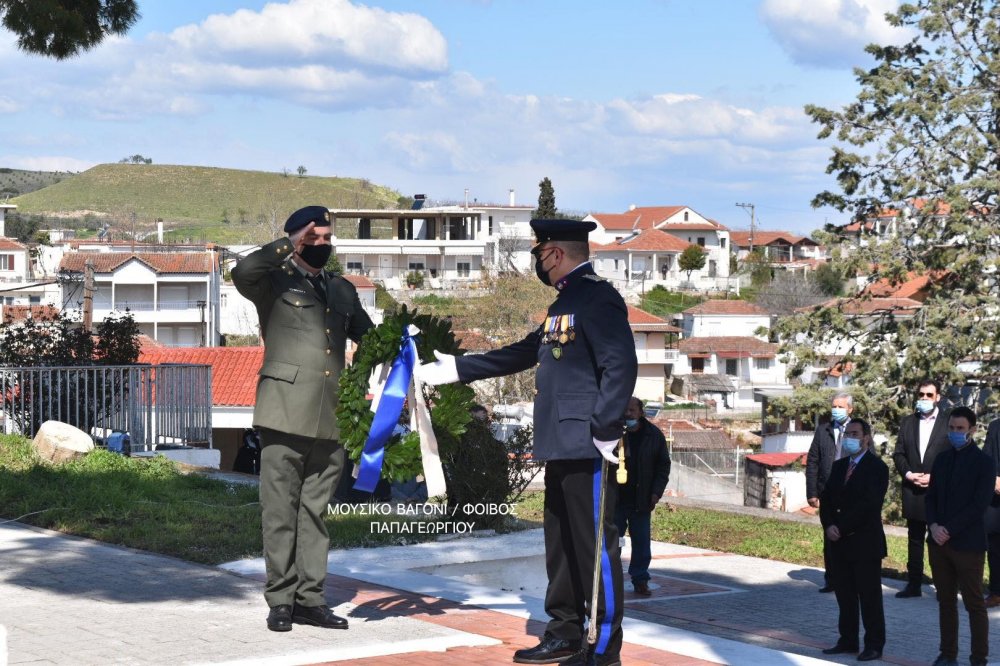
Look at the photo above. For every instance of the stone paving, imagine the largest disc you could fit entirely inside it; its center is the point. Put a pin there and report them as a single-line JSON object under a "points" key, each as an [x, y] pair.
{"points": [[65, 600]]}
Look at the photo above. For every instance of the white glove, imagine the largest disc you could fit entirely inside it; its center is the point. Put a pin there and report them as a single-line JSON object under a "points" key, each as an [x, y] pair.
{"points": [[442, 371], [607, 450]]}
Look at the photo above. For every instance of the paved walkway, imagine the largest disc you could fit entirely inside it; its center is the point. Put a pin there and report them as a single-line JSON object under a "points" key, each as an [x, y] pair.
{"points": [[66, 600]]}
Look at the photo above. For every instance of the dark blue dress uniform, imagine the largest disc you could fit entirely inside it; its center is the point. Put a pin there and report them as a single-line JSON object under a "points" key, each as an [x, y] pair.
{"points": [[586, 374], [305, 323]]}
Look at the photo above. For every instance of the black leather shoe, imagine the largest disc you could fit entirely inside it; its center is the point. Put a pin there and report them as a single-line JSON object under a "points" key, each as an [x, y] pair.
{"points": [[841, 649], [318, 616], [551, 650], [945, 661], [910, 591], [870, 654], [642, 588], [279, 618], [825, 589]]}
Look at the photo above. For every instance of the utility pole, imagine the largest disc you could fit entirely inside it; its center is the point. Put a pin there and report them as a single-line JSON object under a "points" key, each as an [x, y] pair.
{"points": [[744, 206], [88, 295]]}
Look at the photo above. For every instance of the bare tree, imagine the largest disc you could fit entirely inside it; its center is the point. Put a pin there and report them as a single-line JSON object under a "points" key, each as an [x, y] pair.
{"points": [[787, 292]]}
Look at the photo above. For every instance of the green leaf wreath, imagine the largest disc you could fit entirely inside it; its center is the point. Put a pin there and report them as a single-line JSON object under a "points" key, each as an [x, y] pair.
{"points": [[449, 404]]}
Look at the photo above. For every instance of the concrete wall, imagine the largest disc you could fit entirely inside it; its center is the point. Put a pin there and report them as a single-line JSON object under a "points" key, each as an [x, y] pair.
{"points": [[686, 482]]}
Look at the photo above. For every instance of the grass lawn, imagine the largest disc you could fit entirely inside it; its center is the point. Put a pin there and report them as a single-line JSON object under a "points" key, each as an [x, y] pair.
{"points": [[148, 504]]}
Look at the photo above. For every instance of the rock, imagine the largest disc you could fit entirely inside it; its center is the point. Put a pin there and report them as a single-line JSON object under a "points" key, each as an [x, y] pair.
{"points": [[59, 442]]}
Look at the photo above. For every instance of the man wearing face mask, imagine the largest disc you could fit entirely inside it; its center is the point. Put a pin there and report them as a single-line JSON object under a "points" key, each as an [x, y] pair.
{"points": [[587, 369], [851, 512], [306, 316], [961, 487], [647, 462], [922, 436], [824, 450]]}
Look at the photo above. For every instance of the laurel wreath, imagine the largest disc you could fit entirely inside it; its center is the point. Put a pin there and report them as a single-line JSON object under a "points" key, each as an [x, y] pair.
{"points": [[449, 403]]}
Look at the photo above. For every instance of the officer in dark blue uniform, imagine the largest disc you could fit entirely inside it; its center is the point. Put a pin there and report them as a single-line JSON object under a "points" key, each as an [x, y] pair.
{"points": [[586, 372]]}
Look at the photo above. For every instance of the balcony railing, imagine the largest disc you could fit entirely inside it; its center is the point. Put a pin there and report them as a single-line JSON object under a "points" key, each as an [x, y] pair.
{"points": [[149, 306], [656, 355]]}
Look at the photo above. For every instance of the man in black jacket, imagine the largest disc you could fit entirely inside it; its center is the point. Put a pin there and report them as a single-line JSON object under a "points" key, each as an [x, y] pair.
{"points": [[962, 482], [922, 436], [587, 368], [647, 462], [851, 513], [825, 448], [992, 518]]}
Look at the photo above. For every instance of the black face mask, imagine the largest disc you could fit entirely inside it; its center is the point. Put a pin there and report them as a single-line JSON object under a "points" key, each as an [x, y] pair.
{"points": [[316, 255], [541, 273]]}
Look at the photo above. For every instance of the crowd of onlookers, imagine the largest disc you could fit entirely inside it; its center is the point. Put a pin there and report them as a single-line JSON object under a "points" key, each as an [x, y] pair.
{"points": [[950, 500]]}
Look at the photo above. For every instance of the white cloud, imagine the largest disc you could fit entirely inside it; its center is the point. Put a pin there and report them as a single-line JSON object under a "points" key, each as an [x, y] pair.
{"points": [[316, 32], [8, 105], [45, 163], [830, 33]]}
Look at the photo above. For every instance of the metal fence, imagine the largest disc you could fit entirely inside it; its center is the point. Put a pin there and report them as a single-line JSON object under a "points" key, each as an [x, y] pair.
{"points": [[155, 404], [718, 462]]}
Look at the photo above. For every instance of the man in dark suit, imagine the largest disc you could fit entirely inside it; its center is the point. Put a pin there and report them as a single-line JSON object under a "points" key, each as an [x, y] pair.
{"points": [[823, 451], [306, 316], [962, 484], [587, 369], [851, 512], [922, 435]]}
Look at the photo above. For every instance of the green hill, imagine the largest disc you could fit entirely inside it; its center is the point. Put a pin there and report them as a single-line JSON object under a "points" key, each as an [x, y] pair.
{"points": [[15, 182], [195, 203]]}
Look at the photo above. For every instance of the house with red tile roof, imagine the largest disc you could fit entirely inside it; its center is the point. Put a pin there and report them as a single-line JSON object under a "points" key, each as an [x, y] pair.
{"points": [[173, 296], [655, 350], [682, 223], [727, 369], [784, 250], [20, 282], [234, 388], [725, 317]]}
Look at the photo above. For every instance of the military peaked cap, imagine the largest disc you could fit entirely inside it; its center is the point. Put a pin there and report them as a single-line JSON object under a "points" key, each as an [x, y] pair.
{"points": [[303, 216], [562, 230]]}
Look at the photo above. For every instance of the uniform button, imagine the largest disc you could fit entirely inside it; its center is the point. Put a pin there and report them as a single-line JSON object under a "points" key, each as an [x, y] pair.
{"points": [[328, 312], [535, 391], [296, 302], [328, 330], [289, 272], [327, 373], [328, 352]]}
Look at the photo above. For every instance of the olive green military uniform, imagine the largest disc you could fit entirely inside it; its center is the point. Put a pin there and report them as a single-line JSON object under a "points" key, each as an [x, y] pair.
{"points": [[305, 330]]}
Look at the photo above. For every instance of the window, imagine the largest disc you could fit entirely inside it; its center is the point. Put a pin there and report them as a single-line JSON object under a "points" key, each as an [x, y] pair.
{"points": [[6, 262], [463, 268], [722, 243], [34, 300], [701, 241], [492, 230], [355, 266], [223, 298], [698, 365], [416, 264], [732, 367], [685, 216], [762, 364]]}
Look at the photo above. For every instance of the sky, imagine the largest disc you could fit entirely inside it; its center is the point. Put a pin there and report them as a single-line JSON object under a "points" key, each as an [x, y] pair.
{"points": [[638, 102]]}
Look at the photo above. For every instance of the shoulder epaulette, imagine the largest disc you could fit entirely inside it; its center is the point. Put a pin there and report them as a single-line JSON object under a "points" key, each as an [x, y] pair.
{"points": [[594, 278]]}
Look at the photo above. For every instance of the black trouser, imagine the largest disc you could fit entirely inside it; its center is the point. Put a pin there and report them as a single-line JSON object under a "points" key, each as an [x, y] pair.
{"points": [[957, 571], [571, 492], [859, 584], [297, 477], [993, 559], [916, 537]]}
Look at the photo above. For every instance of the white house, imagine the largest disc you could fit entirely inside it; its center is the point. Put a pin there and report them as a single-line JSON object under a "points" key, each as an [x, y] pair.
{"points": [[648, 257], [655, 354], [683, 223], [725, 317], [173, 296], [727, 369]]}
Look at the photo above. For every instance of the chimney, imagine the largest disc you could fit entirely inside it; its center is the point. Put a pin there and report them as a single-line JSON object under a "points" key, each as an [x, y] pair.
{"points": [[159, 232], [631, 207], [512, 197]]}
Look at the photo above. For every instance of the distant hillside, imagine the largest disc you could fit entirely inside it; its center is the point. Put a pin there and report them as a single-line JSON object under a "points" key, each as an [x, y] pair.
{"points": [[15, 182], [195, 203]]}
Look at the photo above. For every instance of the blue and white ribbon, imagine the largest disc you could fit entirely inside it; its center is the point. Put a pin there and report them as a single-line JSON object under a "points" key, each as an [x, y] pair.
{"points": [[390, 397]]}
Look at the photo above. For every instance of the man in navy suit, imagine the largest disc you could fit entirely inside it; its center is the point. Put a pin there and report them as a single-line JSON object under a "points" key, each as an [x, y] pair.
{"points": [[851, 512], [587, 369]]}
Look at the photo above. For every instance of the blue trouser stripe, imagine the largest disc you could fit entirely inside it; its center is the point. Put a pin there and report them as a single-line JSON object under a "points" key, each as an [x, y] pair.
{"points": [[604, 633]]}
